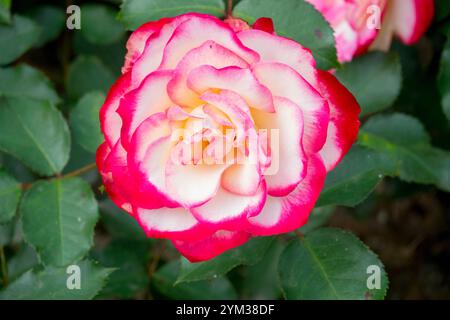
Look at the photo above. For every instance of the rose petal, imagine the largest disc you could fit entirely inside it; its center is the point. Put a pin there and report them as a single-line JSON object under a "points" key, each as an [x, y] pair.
{"points": [[288, 165], [149, 98], [194, 32], [238, 80], [211, 246], [174, 224], [272, 48], [230, 211], [286, 214], [344, 120], [136, 42], [210, 53], [285, 82], [110, 121]]}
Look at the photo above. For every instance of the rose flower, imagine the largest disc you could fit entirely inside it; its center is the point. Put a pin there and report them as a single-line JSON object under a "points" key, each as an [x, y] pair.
{"points": [[360, 25], [217, 132]]}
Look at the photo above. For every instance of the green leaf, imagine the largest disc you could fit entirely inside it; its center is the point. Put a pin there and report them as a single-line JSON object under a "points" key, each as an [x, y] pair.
{"points": [[375, 79], [5, 11], [35, 132], [317, 218], [111, 55], [329, 264], [134, 13], [99, 24], [26, 81], [51, 284], [10, 191], [25, 259], [86, 74], [52, 19], [7, 232], [266, 269], [405, 142], [130, 277], [119, 223], [247, 254], [218, 288], [444, 79], [85, 122], [59, 218], [16, 38], [298, 20], [355, 177]]}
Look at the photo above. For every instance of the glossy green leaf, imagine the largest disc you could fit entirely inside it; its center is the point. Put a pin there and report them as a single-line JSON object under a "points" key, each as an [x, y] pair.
{"points": [[7, 232], [355, 177], [317, 218], [99, 24], [163, 281], [260, 281], [10, 191], [85, 123], [59, 218], [405, 142], [26, 81], [129, 258], [16, 38], [51, 283], [375, 80], [51, 19], [298, 20], [247, 254], [112, 55], [5, 11], [22, 261], [134, 13], [444, 79], [330, 264], [35, 132], [119, 223], [86, 74]]}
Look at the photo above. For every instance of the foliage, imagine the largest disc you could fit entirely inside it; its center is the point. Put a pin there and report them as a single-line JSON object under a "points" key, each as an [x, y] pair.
{"points": [[52, 83]]}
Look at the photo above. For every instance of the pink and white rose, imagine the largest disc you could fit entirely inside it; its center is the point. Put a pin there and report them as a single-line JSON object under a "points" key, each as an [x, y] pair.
{"points": [[360, 25], [217, 132]]}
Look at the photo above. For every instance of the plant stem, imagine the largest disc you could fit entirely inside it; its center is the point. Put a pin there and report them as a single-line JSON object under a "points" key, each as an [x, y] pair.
{"points": [[229, 8], [3, 267], [80, 171]]}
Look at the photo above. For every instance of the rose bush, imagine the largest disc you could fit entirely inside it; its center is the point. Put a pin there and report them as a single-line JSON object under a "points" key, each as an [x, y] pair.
{"points": [[217, 132], [356, 27]]}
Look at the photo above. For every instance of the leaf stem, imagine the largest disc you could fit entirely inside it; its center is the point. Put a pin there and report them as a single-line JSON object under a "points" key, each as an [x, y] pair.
{"points": [[77, 172], [3, 267]]}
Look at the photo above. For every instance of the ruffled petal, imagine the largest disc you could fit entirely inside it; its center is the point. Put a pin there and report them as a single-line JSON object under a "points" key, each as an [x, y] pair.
{"points": [[136, 42], [151, 97], [110, 121], [194, 32], [147, 157], [272, 48], [286, 214], [285, 82], [238, 80], [211, 246], [344, 120], [171, 223], [210, 53], [288, 163], [192, 185], [264, 24], [230, 211]]}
